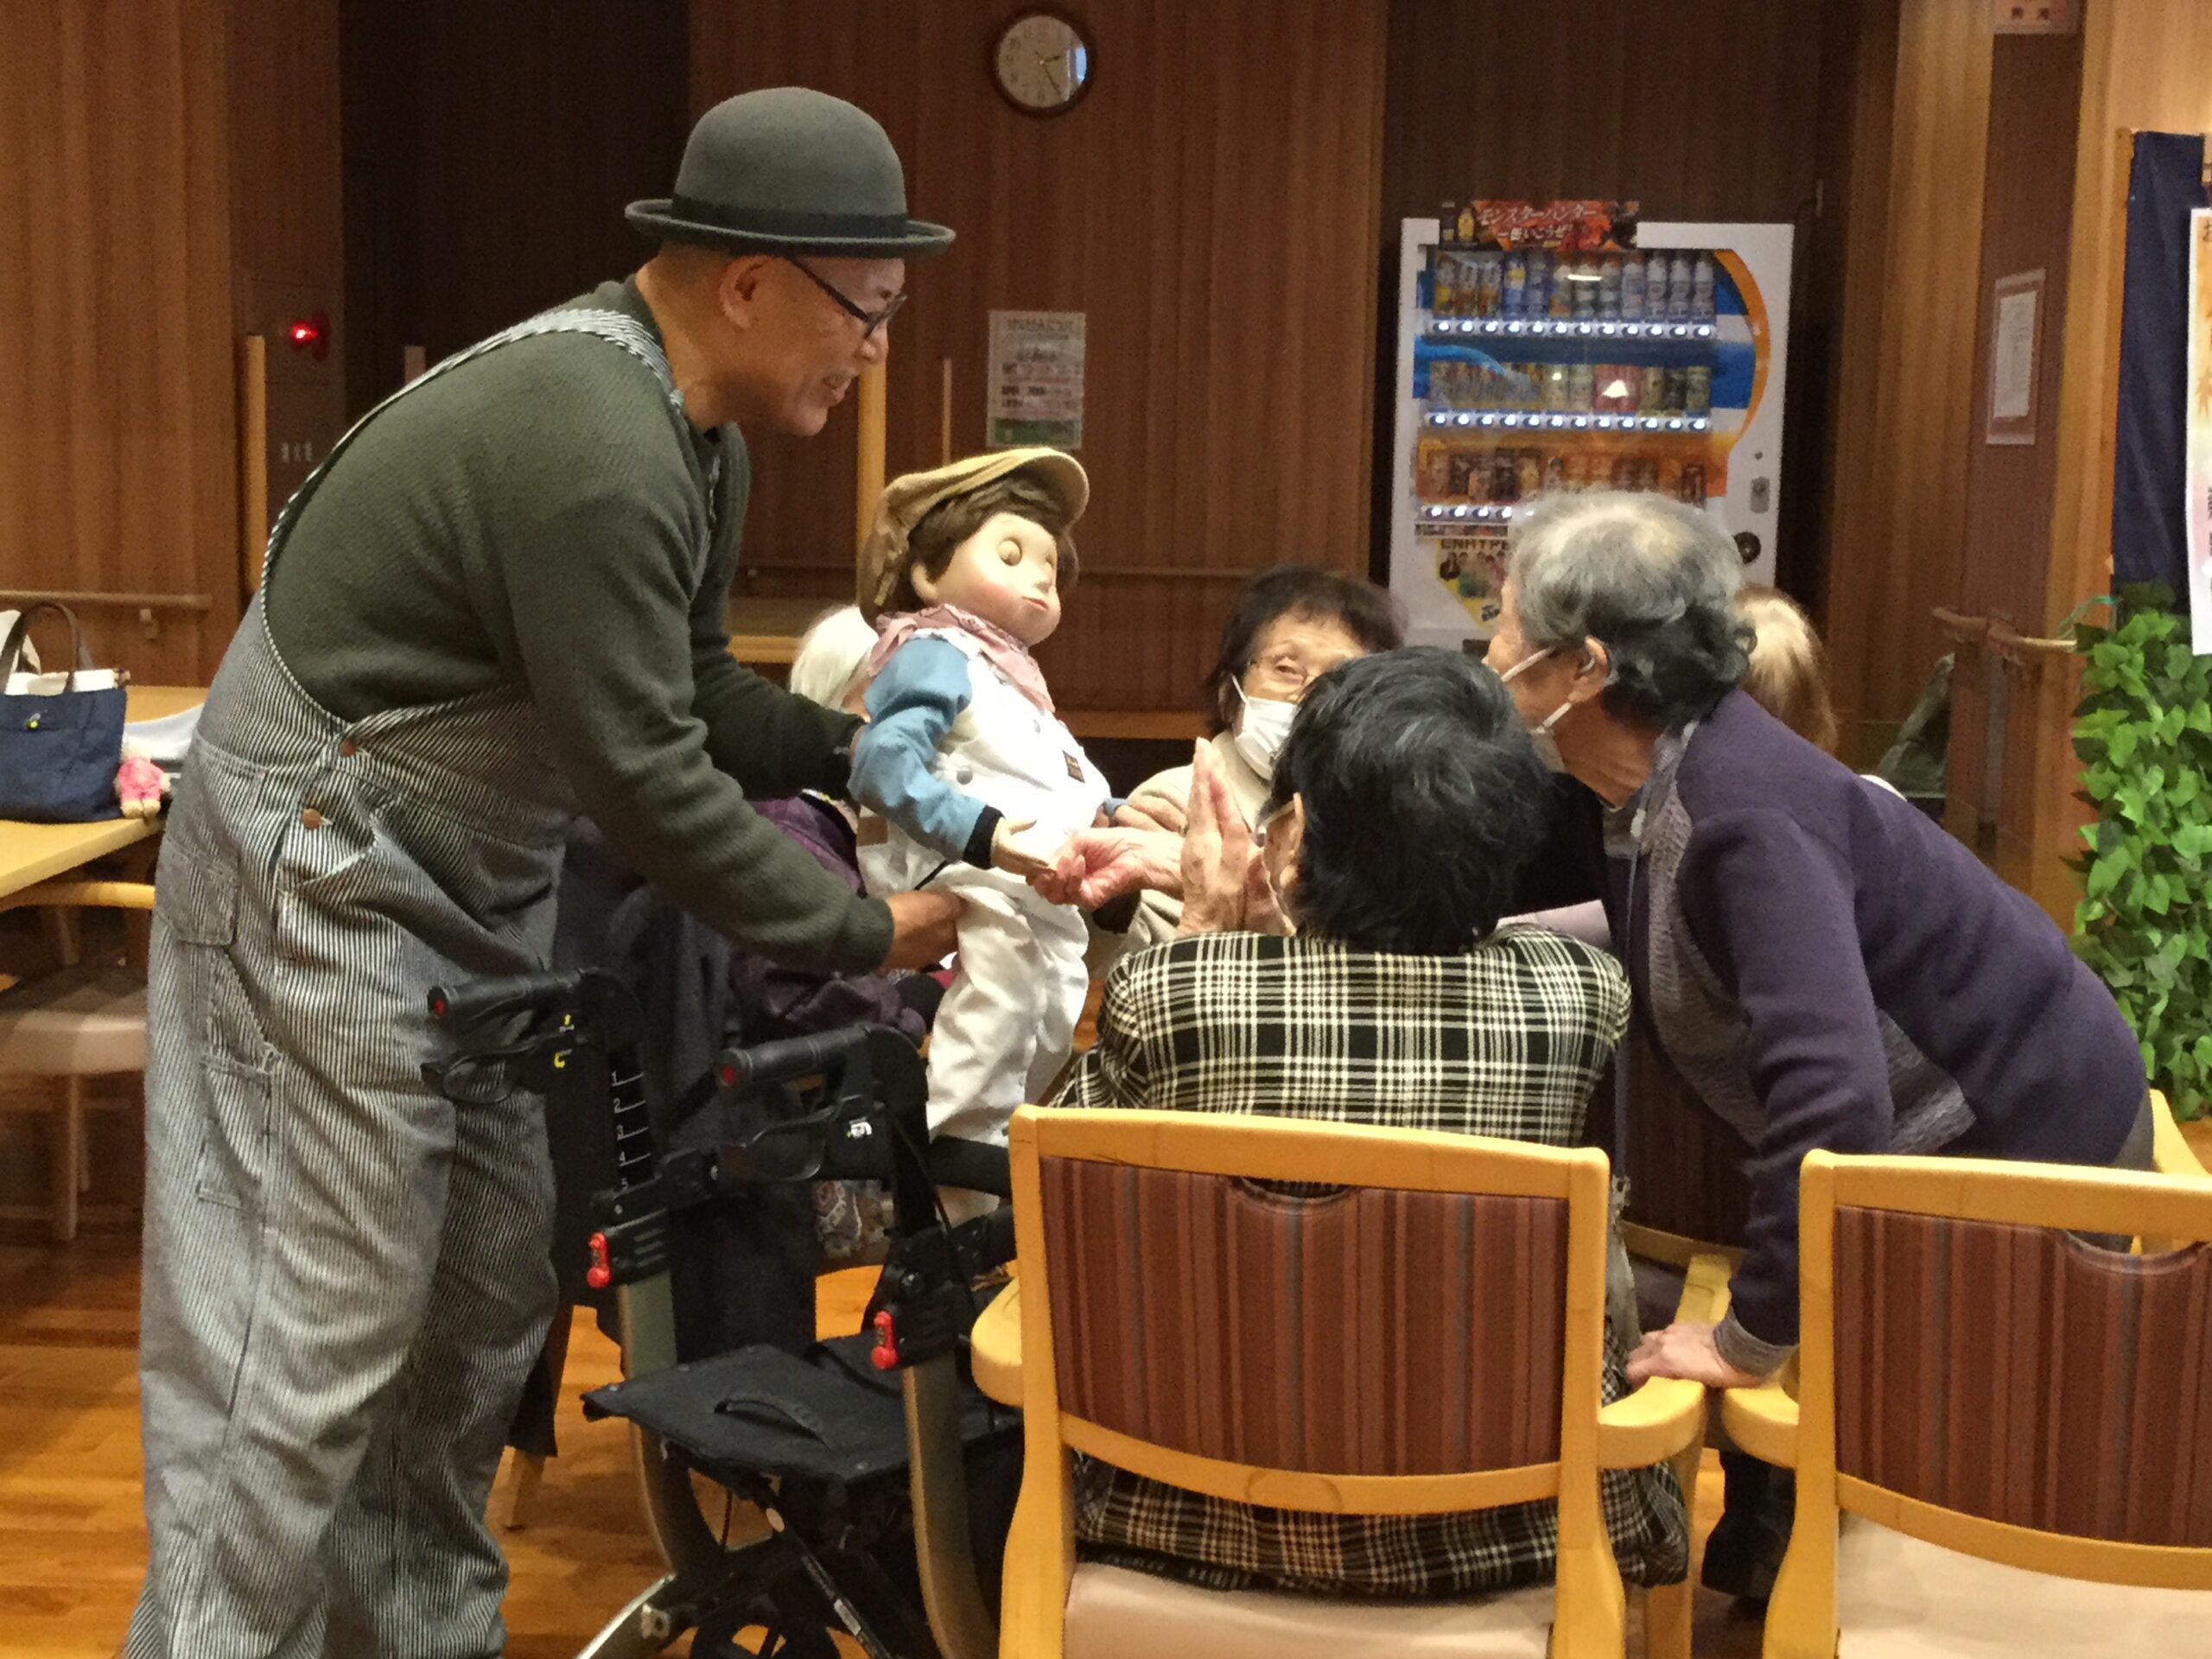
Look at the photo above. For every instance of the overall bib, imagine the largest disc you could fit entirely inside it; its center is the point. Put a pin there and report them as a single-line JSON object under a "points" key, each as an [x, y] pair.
{"points": [[346, 1276], [1006, 1025]]}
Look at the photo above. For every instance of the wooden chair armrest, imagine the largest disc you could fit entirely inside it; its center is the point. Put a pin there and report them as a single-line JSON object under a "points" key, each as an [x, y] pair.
{"points": [[2170, 1154], [1650, 1425], [84, 895], [1667, 1415], [1763, 1422], [996, 1347]]}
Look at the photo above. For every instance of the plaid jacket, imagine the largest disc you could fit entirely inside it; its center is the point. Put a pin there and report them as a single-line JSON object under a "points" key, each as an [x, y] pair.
{"points": [[1507, 1039]]}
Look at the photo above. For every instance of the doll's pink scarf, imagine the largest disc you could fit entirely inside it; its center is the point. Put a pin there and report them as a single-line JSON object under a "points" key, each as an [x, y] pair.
{"points": [[1001, 649]]}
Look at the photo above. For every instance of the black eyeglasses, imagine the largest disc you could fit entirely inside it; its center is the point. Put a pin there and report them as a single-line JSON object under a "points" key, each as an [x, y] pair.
{"points": [[870, 322]]}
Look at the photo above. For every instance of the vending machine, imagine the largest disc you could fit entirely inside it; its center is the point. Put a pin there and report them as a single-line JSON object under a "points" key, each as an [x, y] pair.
{"points": [[1565, 346]]}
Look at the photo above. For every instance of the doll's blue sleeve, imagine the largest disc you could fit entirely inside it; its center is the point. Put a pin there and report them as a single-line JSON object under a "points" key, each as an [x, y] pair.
{"points": [[912, 704]]}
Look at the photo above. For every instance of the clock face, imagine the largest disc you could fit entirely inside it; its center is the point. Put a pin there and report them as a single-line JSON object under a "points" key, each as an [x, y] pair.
{"points": [[1042, 63]]}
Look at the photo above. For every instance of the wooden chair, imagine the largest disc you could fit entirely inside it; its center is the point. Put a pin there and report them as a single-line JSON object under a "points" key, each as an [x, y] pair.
{"points": [[1998, 1423], [83, 1021], [1428, 1340]]}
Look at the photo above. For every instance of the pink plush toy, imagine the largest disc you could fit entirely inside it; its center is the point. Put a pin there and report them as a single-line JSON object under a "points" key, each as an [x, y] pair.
{"points": [[140, 785]]}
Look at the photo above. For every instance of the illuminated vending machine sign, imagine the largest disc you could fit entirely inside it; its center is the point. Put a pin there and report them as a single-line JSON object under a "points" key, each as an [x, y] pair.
{"points": [[1545, 351]]}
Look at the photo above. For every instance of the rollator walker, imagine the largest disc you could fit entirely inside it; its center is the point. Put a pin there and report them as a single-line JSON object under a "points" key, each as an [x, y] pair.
{"points": [[857, 1452]]}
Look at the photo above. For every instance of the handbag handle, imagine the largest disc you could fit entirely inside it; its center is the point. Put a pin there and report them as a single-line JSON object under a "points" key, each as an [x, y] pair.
{"points": [[11, 652]]}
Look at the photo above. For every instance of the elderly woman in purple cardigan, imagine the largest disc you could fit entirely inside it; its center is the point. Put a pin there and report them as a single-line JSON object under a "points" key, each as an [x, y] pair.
{"points": [[1824, 966]]}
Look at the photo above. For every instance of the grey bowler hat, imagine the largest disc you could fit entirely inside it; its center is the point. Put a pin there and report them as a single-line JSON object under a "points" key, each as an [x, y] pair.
{"points": [[789, 170]]}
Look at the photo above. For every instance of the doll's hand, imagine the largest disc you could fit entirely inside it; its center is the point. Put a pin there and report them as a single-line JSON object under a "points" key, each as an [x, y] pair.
{"points": [[1022, 849]]}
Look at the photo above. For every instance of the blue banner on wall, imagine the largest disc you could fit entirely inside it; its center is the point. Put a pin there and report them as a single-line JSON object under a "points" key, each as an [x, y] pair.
{"points": [[2150, 541]]}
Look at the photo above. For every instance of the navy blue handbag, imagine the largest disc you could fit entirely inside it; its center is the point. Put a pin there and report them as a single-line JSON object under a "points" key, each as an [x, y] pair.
{"points": [[58, 753]]}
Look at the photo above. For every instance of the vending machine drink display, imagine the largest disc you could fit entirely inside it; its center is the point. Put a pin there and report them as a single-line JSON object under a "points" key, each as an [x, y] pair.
{"points": [[1564, 345]]}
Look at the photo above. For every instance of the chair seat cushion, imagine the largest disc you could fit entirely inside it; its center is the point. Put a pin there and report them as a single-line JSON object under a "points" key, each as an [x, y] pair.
{"points": [[82, 1022], [1114, 1613], [1898, 1597]]}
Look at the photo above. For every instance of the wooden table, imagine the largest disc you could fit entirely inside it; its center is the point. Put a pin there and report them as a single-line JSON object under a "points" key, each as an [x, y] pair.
{"points": [[31, 853], [765, 631]]}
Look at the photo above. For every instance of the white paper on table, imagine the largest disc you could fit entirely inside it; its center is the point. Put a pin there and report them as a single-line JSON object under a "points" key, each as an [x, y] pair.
{"points": [[163, 741]]}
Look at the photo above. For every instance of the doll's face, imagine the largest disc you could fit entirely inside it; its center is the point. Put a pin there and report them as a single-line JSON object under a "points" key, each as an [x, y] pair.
{"points": [[1007, 573]]}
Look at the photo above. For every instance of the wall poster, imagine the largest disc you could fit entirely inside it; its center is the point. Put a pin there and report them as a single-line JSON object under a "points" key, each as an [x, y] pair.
{"points": [[1036, 379]]}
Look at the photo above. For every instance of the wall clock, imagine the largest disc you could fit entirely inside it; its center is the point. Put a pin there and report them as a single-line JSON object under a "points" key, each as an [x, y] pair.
{"points": [[1042, 62]]}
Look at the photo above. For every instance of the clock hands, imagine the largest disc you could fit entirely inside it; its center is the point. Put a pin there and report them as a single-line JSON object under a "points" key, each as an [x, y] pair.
{"points": [[1046, 64]]}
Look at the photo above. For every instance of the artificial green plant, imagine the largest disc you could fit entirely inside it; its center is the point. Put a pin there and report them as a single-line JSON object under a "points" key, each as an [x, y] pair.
{"points": [[2143, 734]]}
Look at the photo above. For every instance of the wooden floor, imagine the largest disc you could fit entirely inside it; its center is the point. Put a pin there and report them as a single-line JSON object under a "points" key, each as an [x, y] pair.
{"points": [[72, 1539]]}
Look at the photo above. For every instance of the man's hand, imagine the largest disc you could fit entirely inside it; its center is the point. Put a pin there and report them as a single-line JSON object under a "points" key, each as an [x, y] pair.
{"points": [[924, 928], [1686, 1350], [1099, 865], [1020, 850]]}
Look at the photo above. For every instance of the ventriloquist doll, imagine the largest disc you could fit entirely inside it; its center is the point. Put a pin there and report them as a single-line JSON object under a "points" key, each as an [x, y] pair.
{"points": [[975, 781]]}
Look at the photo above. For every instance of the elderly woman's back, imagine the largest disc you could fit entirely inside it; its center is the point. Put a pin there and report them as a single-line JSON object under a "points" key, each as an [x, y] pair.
{"points": [[1402, 802]]}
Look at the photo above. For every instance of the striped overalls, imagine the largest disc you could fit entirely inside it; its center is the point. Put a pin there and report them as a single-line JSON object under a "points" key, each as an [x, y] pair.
{"points": [[346, 1276]]}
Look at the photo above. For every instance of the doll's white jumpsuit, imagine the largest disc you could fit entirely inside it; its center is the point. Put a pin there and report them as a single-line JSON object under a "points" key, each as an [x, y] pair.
{"points": [[1008, 1023]]}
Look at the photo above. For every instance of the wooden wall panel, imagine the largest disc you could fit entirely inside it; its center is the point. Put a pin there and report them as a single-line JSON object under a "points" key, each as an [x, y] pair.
{"points": [[116, 458], [1905, 398], [1212, 207], [489, 151], [1704, 110]]}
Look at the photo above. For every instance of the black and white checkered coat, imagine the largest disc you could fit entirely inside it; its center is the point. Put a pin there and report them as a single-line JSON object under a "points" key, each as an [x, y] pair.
{"points": [[1506, 1040]]}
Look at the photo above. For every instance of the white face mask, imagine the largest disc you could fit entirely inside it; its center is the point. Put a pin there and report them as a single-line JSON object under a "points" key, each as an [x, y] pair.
{"points": [[1260, 734], [1540, 736]]}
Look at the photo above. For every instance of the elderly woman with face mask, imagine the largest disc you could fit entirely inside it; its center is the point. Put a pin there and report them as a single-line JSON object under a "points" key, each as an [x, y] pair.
{"points": [[1823, 965], [1287, 626]]}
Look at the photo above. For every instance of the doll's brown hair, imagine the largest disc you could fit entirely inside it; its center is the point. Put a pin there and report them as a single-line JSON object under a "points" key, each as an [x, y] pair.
{"points": [[944, 526]]}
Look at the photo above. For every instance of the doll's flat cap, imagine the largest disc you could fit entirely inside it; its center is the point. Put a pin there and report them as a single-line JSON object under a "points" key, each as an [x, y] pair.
{"points": [[908, 498]]}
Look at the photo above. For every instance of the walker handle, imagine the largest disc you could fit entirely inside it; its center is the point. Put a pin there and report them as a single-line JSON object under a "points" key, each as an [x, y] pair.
{"points": [[479, 1001], [788, 1058]]}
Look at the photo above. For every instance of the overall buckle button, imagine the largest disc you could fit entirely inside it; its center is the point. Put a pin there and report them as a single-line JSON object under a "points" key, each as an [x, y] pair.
{"points": [[311, 819], [348, 748]]}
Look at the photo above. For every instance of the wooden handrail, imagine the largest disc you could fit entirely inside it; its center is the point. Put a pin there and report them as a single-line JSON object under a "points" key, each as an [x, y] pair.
{"points": [[1967, 630], [1999, 636], [2021, 649], [1090, 572], [133, 601]]}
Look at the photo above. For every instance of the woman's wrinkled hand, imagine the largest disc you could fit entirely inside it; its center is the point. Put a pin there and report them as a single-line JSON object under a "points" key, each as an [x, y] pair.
{"points": [[1095, 865], [1225, 885]]}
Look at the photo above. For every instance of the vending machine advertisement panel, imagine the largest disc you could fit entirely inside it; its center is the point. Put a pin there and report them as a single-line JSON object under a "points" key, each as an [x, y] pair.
{"points": [[1563, 347]]}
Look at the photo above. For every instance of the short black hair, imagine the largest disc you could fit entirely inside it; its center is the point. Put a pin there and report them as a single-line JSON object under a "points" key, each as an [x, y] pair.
{"points": [[1423, 799], [1367, 613], [944, 526]]}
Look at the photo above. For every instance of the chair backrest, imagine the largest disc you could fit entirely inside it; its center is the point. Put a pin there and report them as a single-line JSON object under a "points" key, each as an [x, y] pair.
{"points": [[1686, 1169], [1424, 1335], [1977, 1373]]}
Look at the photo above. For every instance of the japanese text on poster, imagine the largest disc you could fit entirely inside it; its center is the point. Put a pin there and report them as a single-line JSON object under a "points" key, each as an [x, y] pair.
{"points": [[2197, 431], [1036, 384]]}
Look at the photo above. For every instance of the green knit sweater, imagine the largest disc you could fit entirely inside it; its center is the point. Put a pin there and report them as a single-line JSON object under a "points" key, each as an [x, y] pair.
{"points": [[531, 520]]}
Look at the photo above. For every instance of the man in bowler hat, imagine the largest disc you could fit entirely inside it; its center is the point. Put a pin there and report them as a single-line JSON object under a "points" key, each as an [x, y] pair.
{"points": [[497, 602]]}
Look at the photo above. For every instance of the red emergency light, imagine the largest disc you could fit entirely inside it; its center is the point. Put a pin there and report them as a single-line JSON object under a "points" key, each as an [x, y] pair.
{"points": [[310, 335]]}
